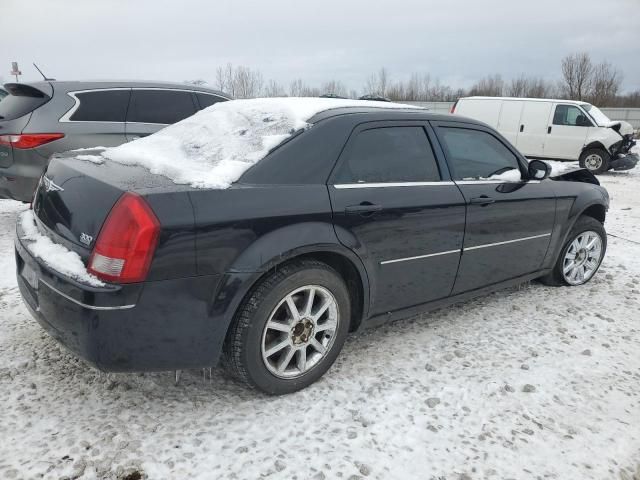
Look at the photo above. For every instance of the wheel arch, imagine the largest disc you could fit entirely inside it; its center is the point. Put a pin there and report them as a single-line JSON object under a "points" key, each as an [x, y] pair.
{"points": [[595, 144], [244, 275]]}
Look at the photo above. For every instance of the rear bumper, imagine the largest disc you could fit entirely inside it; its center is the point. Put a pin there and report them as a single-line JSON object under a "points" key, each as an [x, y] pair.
{"points": [[625, 162], [152, 326]]}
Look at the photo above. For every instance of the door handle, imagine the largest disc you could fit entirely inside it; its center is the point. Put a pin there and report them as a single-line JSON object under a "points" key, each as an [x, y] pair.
{"points": [[364, 209], [549, 129], [482, 200], [521, 128]]}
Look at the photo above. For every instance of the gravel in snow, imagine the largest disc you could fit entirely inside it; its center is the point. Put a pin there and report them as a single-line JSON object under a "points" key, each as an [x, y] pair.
{"points": [[497, 388]]}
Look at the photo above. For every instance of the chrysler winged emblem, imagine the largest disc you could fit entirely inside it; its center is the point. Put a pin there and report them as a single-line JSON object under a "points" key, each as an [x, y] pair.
{"points": [[49, 186]]}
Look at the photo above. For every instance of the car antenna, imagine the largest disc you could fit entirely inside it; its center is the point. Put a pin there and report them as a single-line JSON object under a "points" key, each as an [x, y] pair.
{"points": [[43, 75]]}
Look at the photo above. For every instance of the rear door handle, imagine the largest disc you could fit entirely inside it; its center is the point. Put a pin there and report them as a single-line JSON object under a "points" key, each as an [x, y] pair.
{"points": [[549, 129], [521, 128], [365, 208], [482, 200]]}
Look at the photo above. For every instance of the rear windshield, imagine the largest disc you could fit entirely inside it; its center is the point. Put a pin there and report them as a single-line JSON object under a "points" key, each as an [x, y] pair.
{"points": [[20, 101]]}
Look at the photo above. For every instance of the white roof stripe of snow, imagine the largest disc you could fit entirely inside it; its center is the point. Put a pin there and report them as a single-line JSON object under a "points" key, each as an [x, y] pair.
{"points": [[54, 255], [214, 147]]}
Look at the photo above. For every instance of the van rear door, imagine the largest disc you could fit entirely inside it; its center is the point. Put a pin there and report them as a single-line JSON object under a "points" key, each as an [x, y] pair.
{"points": [[567, 132], [533, 127], [509, 123]]}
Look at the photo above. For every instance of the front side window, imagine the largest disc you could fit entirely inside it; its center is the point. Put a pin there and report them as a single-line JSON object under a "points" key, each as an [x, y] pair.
{"points": [[389, 154], [160, 106], [101, 106], [570, 116], [478, 155]]}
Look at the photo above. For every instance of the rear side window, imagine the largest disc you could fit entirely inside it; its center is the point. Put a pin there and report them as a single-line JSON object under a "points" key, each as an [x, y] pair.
{"points": [[474, 154], [22, 99], [160, 106], [101, 106], [205, 100], [570, 116], [389, 154]]}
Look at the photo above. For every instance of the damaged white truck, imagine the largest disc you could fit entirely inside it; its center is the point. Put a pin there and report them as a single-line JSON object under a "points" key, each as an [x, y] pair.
{"points": [[549, 129]]}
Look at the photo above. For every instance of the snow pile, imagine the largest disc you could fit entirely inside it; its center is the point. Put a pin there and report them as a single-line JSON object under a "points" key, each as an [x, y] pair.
{"points": [[214, 147], [54, 255]]}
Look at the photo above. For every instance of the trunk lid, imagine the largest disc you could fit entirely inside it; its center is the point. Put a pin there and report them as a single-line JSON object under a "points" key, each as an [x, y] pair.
{"points": [[74, 196]]}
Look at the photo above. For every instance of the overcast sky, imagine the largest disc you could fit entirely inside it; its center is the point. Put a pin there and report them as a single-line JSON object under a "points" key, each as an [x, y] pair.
{"points": [[455, 41]]}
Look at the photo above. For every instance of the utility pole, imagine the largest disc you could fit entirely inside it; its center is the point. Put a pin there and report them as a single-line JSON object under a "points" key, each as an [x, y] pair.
{"points": [[15, 70]]}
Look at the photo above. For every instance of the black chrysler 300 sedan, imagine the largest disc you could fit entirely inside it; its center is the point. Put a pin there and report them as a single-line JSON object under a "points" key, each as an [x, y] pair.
{"points": [[363, 216]]}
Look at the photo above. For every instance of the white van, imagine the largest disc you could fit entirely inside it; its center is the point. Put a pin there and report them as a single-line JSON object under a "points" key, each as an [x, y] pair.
{"points": [[556, 130]]}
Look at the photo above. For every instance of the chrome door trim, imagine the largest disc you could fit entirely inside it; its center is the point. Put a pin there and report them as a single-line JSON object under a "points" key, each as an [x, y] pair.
{"points": [[396, 260], [523, 239], [84, 305], [491, 182], [391, 184]]}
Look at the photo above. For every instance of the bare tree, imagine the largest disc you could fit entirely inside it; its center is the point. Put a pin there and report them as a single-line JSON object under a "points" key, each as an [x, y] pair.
{"points": [[224, 79], [577, 70], [335, 87], [517, 87], [247, 82], [239, 82], [377, 83], [490, 86], [298, 88], [605, 84], [274, 89]]}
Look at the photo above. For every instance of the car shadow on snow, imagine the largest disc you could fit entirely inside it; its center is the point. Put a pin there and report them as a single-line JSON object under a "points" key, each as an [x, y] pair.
{"points": [[211, 386]]}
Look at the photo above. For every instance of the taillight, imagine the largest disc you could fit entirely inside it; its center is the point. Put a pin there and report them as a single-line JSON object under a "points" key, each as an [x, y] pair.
{"points": [[126, 243], [30, 140], [453, 107]]}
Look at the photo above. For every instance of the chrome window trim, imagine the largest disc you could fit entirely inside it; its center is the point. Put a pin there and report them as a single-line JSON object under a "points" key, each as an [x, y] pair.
{"points": [[523, 239], [396, 260], [341, 186], [84, 305], [66, 118]]}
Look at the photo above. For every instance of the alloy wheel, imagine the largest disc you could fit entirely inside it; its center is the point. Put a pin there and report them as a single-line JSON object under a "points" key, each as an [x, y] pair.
{"points": [[300, 331], [583, 258]]}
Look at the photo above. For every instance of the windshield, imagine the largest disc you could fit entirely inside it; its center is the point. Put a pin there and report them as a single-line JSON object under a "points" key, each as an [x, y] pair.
{"points": [[600, 118]]}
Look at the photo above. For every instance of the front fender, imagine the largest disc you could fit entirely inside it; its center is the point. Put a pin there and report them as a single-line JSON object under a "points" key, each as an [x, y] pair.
{"points": [[573, 200]]}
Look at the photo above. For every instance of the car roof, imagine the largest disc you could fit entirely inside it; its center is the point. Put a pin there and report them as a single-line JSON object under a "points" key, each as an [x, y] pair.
{"points": [[74, 85], [382, 114], [571, 102]]}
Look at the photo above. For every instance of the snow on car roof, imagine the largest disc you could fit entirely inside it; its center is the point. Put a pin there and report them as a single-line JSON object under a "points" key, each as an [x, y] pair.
{"points": [[214, 147]]}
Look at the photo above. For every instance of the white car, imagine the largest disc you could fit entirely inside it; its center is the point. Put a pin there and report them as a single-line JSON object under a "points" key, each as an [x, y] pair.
{"points": [[556, 130]]}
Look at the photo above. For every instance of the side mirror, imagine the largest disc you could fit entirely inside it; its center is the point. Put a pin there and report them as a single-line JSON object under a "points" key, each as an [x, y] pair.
{"points": [[539, 170]]}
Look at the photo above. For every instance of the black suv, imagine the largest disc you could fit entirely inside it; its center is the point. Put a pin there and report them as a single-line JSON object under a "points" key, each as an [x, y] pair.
{"points": [[364, 216], [43, 118]]}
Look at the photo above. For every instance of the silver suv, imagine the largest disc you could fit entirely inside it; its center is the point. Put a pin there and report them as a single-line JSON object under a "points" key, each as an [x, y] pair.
{"points": [[43, 118]]}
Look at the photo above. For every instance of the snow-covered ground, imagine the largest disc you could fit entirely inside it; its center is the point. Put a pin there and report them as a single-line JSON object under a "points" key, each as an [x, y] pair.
{"points": [[528, 383]]}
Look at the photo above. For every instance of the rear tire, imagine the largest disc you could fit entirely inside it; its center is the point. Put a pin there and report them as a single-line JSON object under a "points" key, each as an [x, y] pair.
{"points": [[281, 339], [585, 230], [596, 160]]}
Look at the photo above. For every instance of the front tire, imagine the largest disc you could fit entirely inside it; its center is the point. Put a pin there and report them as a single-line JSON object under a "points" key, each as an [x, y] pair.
{"points": [[581, 255], [290, 329], [596, 160]]}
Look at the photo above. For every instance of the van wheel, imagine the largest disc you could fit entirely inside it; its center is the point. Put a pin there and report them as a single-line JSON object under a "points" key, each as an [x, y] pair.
{"points": [[290, 328], [581, 254], [596, 160]]}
